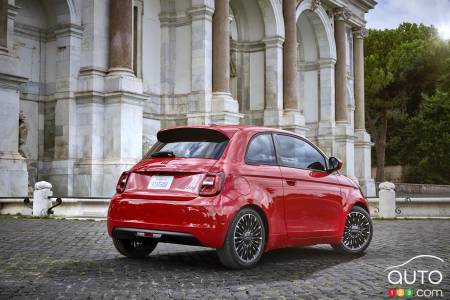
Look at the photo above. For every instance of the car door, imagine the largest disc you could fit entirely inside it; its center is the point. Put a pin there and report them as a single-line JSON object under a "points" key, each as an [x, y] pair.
{"points": [[312, 196], [264, 176]]}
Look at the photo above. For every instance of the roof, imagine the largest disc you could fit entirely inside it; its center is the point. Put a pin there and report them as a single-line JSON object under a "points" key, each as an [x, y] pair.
{"points": [[229, 130]]}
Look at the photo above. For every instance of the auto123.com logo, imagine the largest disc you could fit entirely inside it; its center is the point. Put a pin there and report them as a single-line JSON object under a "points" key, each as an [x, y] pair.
{"points": [[419, 277]]}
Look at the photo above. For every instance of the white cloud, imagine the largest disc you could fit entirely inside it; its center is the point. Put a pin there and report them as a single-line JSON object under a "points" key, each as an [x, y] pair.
{"points": [[391, 13]]}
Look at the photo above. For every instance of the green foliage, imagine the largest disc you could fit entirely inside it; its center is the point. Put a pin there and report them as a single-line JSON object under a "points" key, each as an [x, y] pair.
{"points": [[427, 141], [402, 67]]}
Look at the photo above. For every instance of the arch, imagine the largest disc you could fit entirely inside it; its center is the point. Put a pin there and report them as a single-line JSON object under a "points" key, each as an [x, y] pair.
{"points": [[257, 19], [322, 28], [273, 17], [66, 11], [253, 23], [57, 12]]}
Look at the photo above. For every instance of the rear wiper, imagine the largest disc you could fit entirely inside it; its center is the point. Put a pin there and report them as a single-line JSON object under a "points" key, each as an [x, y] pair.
{"points": [[163, 154]]}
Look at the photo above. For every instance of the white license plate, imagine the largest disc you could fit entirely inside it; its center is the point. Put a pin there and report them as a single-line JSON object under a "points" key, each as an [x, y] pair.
{"points": [[160, 182]]}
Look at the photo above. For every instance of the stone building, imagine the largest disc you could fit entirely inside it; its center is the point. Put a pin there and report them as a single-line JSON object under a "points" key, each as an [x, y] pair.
{"points": [[94, 80]]}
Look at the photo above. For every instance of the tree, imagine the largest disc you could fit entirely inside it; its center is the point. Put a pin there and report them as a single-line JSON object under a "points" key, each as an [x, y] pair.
{"points": [[428, 142], [394, 58]]}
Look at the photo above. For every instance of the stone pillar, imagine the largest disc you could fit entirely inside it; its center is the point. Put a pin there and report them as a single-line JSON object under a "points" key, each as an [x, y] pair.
{"points": [[386, 203], [273, 112], [41, 203], [362, 138], [341, 65], [121, 36], [123, 106], [3, 25], [326, 128], [358, 63], [224, 109], [221, 47], [199, 99], [293, 118], [68, 43], [13, 168], [290, 81]]}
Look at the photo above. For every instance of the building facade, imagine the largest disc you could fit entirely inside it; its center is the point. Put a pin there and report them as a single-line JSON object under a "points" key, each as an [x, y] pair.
{"points": [[86, 84]]}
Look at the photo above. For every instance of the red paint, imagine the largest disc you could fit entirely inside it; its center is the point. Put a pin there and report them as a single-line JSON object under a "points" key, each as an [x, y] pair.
{"points": [[301, 206]]}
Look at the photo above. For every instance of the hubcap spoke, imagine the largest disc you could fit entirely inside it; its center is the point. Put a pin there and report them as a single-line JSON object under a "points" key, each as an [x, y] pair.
{"points": [[357, 231], [248, 237]]}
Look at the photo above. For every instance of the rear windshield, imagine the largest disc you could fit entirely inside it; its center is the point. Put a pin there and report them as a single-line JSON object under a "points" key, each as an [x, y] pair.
{"points": [[190, 143]]}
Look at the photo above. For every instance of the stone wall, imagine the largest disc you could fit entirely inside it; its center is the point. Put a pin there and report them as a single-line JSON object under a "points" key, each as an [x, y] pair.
{"points": [[89, 117]]}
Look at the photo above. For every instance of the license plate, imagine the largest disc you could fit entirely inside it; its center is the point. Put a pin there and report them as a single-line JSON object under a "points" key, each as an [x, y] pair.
{"points": [[160, 182]]}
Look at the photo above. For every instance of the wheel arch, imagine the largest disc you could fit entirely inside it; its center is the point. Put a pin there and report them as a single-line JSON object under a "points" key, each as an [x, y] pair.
{"points": [[362, 205]]}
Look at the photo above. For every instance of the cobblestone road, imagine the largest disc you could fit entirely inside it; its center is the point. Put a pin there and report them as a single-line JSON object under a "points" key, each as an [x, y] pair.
{"points": [[68, 259]]}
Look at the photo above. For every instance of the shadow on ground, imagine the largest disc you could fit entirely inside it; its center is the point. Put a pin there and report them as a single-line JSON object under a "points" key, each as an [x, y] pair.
{"points": [[184, 267]]}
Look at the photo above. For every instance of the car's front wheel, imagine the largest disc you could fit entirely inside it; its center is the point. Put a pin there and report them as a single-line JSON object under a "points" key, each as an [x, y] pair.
{"points": [[245, 240], [358, 232], [135, 248]]}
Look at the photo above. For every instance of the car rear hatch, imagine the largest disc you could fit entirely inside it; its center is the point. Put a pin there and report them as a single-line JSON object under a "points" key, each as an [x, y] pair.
{"points": [[176, 165]]}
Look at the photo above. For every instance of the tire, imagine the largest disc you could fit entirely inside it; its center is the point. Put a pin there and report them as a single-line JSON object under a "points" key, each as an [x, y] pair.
{"points": [[246, 250], [135, 248], [355, 240]]}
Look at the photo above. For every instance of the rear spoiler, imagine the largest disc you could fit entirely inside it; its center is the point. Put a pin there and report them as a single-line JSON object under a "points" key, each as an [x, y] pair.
{"points": [[191, 135]]}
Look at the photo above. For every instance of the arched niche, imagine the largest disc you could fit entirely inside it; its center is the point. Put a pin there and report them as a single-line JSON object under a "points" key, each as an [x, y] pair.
{"points": [[316, 58], [252, 22]]}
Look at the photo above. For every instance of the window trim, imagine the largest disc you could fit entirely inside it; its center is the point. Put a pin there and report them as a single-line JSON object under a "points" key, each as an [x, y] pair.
{"points": [[249, 162], [304, 140]]}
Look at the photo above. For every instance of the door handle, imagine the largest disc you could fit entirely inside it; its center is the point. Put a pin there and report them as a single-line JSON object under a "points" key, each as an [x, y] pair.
{"points": [[290, 182]]}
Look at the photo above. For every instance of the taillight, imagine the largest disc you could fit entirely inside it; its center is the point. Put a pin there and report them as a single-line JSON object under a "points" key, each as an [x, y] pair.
{"points": [[120, 188], [211, 184]]}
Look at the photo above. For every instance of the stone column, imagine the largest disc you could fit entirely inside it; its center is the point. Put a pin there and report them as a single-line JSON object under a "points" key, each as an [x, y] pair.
{"points": [[293, 118], [362, 138], [3, 24], [121, 36], [290, 56], [123, 105], [273, 112], [221, 47], [344, 132], [199, 100], [358, 62], [68, 40], [223, 107], [13, 168], [341, 65]]}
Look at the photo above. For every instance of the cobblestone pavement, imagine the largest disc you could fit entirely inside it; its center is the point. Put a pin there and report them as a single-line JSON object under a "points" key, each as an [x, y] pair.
{"points": [[65, 259]]}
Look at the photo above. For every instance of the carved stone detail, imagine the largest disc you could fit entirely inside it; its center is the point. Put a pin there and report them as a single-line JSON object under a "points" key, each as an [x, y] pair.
{"points": [[315, 4], [342, 13], [360, 32], [23, 133]]}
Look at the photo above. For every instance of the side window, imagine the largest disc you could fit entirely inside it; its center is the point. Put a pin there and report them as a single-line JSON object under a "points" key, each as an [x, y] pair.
{"points": [[296, 153], [261, 151]]}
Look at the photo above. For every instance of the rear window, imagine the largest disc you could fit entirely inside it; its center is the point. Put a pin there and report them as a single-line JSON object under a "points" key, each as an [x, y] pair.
{"points": [[190, 143]]}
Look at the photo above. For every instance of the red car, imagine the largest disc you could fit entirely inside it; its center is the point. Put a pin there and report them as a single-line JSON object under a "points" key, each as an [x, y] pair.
{"points": [[241, 190]]}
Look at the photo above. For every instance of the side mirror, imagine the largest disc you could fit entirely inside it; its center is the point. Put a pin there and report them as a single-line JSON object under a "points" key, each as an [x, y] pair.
{"points": [[334, 164]]}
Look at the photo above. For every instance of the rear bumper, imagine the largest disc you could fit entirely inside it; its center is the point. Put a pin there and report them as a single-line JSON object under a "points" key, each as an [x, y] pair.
{"points": [[194, 222], [162, 236]]}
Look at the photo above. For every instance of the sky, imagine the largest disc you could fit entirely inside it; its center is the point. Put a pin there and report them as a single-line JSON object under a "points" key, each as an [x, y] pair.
{"points": [[390, 13]]}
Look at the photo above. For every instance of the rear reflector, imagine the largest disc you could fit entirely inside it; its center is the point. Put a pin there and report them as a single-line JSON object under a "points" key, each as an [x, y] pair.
{"points": [[211, 184]]}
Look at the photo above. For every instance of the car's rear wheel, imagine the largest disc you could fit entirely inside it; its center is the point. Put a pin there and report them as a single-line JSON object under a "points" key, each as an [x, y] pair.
{"points": [[245, 240], [135, 248], [358, 232]]}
